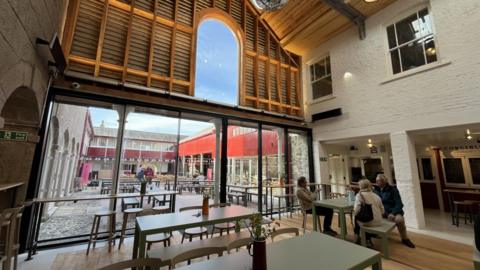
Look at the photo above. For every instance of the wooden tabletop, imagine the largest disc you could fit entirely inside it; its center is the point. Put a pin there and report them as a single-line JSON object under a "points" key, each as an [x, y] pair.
{"points": [[104, 197], [335, 203], [306, 252], [5, 186], [189, 219]]}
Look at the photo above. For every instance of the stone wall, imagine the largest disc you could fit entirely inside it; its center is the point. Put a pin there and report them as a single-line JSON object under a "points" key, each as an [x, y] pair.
{"points": [[25, 72]]}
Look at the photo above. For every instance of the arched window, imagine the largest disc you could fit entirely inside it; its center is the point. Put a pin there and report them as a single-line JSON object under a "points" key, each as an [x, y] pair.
{"points": [[217, 63]]}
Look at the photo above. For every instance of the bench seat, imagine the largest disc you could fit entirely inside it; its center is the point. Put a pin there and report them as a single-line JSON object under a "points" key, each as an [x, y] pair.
{"points": [[382, 230], [167, 253], [126, 202]]}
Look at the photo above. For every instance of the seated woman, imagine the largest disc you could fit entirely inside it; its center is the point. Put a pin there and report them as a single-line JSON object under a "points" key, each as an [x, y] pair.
{"points": [[366, 195], [306, 198]]}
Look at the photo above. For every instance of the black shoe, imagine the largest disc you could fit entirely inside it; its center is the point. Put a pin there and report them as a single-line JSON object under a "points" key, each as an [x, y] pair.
{"points": [[369, 244], [330, 232], [408, 243]]}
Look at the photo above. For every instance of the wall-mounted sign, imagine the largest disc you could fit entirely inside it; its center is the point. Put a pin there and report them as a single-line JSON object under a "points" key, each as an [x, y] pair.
{"points": [[373, 150], [13, 135], [323, 159]]}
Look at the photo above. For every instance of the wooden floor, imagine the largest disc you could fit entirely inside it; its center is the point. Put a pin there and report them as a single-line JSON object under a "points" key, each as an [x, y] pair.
{"points": [[430, 253]]}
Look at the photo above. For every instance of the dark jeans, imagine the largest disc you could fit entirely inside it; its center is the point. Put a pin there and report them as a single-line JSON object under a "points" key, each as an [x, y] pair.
{"points": [[324, 211], [368, 236]]}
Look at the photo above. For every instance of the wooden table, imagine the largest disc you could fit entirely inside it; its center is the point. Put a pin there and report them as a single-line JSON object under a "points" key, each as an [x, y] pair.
{"points": [[154, 224], [340, 204], [38, 205], [306, 252]]}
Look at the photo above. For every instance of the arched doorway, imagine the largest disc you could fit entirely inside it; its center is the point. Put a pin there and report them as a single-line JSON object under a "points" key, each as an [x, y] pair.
{"points": [[20, 115]]}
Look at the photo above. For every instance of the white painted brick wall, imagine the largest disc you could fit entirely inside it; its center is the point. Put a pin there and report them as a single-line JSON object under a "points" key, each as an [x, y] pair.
{"points": [[443, 96]]}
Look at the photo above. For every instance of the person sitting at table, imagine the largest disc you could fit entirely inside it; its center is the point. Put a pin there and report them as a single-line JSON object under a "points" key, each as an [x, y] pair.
{"points": [[367, 196], [306, 198], [392, 202]]}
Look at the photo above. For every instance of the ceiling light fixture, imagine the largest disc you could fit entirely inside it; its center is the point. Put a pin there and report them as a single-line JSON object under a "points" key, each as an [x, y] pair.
{"points": [[468, 135], [269, 5], [370, 143], [370, 1]]}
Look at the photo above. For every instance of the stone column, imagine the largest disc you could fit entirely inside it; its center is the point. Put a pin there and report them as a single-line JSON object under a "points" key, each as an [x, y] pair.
{"points": [[387, 170], [191, 166], [63, 173], [320, 162], [241, 170], [404, 157], [71, 175], [233, 169], [201, 163], [52, 181]]}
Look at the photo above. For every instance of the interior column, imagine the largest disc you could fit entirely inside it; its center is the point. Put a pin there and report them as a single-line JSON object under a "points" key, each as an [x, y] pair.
{"points": [[408, 184]]}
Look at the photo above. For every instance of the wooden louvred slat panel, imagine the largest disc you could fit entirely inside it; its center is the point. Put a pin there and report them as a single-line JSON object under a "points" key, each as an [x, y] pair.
{"points": [[182, 56], [262, 84], [161, 50], [262, 40], [146, 5], [273, 48], [221, 4], [283, 57], [166, 9], [201, 4], [236, 10], [185, 12], [87, 31], [139, 43], [283, 85], [250, 35], [273, 83], [249, 76], [293, 87], [113, 51], [180, 89]]}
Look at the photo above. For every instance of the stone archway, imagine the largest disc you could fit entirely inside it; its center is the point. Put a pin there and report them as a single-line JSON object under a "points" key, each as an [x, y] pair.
{"points": [[20, 114]]}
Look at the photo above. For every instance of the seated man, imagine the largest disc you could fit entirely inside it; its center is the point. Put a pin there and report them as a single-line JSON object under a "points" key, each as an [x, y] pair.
{"points": [[306, 198], [393, 207]]}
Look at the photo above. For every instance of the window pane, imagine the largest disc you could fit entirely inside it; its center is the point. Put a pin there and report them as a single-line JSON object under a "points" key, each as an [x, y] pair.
{"points": [[312, 72], [327, 64], [392, 42], [424, 23], [320, 69], [427, 169], [412, 56], [322, 87], [430, 50], [408, 29], [475, 169], [454, 170], [395, 62], [298, 146]]}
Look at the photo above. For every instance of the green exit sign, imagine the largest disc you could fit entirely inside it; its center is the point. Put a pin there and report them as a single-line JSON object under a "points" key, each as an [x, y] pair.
{"points": [[13, 135]]}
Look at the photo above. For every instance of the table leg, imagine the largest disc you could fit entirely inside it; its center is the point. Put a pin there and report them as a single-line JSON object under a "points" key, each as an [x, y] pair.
{"points": [[378, 264], [141, 246], [271, 204], [343, 223], [314, 217], [135, 242]]}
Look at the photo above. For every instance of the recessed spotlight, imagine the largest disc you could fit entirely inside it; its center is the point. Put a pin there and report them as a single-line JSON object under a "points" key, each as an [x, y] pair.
{"points": [[347, 75], [370, 143]]}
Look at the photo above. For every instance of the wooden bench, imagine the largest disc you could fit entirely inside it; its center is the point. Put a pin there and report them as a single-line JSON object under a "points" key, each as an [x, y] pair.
{"points": [[167, 253], [126, 202], [239, 195], [382, 230], [476, 258]]}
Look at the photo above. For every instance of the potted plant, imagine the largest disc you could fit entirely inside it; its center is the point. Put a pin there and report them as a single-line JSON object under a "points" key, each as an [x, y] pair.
{"points": [[259, 233]]}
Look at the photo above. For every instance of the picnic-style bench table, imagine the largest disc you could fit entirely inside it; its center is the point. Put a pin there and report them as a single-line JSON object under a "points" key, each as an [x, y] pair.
{"points": [[167, 253], [237, 196], [306, 252], [382, 230], [342, 205], [147, 225], [133, 202]]}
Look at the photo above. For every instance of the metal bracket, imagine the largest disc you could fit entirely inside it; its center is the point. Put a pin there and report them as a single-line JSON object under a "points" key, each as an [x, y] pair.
{"points": [[351, 13]]}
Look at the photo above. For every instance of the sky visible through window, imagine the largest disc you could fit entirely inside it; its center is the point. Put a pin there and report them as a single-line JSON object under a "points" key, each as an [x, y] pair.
{"points": [[217, 70], [216, 74]]}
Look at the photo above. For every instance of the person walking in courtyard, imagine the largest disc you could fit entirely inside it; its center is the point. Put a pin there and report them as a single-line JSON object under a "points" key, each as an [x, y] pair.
{"points": [[140, 173], [392, 202], [306, 198]]}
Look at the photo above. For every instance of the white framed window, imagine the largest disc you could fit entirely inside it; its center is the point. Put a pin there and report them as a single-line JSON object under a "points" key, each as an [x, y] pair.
{"points": [[462, 170], [321, 78], [411, 42]]}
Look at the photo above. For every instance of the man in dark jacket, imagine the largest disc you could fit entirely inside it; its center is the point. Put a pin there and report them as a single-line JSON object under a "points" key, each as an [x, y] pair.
{"points": [[392, 202]]}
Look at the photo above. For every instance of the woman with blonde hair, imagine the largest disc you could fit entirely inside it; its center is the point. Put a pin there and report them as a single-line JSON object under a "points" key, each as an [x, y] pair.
{"points": [[367, 196]]}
